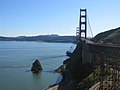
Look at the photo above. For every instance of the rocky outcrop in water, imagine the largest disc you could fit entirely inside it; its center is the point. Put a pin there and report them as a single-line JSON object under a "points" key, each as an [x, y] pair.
{"points": [[68, 53], [60, 69], [36, 66]]}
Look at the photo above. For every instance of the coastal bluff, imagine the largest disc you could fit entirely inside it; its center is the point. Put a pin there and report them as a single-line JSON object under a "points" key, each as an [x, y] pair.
{"points": [[73, 71], [78, 75]]}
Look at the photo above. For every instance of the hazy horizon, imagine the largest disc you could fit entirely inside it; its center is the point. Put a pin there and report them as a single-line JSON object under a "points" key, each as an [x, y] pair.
{"points": [[35, 35]]}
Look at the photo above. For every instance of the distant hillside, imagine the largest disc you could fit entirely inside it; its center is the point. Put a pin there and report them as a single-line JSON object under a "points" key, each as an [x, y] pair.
{"points": [[43, 38], [111, 36]]}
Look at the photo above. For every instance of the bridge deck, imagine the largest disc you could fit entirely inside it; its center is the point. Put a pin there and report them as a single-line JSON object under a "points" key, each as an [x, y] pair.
{"points": [[89, 42]]}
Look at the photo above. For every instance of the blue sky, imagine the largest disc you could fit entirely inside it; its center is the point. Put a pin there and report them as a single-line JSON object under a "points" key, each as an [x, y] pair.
{"points": [[37, 17]]}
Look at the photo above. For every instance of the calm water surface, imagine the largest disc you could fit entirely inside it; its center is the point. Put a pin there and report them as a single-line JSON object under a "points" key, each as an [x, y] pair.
{"points": [[16, 59]]}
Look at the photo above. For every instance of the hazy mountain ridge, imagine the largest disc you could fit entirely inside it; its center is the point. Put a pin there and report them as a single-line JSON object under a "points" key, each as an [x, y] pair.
{"points": [[43, 38]]}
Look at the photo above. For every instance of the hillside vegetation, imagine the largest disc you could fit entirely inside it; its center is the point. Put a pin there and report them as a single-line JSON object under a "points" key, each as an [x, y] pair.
{"points": [[111, 36]]}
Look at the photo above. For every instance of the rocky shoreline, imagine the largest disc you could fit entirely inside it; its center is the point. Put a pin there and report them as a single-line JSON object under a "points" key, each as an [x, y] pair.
{"points": [[73, 72], [53, 87], [78, 76]]}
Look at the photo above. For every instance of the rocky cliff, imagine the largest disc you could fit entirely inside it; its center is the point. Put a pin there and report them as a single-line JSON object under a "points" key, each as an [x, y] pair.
{"points": [[74, 71]]}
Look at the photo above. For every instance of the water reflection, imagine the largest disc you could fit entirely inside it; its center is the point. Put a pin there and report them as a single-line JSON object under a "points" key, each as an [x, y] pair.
{"points": [[37, 78]]}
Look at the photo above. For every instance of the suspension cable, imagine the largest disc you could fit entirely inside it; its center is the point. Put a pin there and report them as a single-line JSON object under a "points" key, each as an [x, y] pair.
{"points": [[90, 27]]}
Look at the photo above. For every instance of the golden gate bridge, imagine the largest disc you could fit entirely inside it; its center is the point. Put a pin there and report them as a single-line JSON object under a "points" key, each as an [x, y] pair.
{"points": [[104, 58]]}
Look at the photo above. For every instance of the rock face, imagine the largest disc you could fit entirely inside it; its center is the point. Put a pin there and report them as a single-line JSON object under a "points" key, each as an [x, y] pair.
{"points": [[36, 67], [73, 71]]}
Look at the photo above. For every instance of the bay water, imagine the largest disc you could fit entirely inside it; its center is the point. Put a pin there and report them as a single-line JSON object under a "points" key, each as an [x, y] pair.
{"points": [[16, 60]]}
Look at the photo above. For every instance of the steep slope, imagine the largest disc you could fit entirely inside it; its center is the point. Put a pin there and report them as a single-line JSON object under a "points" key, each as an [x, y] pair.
{"points": [[111, 36], [74, 72]]}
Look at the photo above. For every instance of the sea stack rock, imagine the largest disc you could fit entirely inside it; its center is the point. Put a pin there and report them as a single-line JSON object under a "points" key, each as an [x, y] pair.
{"points": [[36, 66]]}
